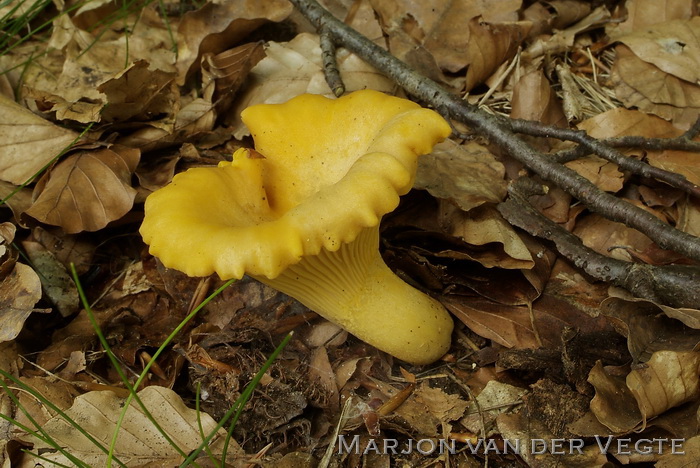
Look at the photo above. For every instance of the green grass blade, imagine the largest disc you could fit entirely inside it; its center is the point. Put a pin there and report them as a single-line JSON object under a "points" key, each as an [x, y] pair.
{"points": [[238, 405]]}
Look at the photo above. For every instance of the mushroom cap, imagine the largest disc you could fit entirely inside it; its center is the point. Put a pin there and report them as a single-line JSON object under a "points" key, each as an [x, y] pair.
{"points": [[323, 169]]}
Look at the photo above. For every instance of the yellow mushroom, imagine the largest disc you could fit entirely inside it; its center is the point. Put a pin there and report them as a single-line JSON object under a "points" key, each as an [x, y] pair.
{"points": [[301, 214]]}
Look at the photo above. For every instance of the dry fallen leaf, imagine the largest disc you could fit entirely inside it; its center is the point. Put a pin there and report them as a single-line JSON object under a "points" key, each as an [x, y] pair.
{"points": [[604, 174], [467, 174], [19, 292], [139, 442], [27, 142], [611, 238], [624, 402], [428, 409], [508, 326], [216, 25], [440, 25], [643, 85], [672, 46], [531, 433], [73, 93], [87, 190], [644, 13], [495, 399], [534, 99], [294, 68], [60, 289], [649, 326], [668, 379], [139, 94], [484, 225], [490, 45]]}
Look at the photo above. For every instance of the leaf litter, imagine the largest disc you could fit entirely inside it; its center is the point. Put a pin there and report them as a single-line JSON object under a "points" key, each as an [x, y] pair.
{"points": [[541, 352]]}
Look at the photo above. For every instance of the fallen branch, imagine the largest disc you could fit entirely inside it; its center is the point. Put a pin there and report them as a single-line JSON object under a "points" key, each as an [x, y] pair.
{"points": [[673, 285], [492, 127], [588, 145]]}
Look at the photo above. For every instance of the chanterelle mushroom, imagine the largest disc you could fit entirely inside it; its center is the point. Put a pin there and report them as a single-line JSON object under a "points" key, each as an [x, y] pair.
{"points": [[301, 213]]}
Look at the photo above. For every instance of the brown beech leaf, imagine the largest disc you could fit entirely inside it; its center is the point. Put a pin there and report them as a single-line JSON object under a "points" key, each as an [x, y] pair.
{"points": [[568, 12], [691, 447], [87, 190], [217, 25], [669, 379], [672, 46], [643, 85], [467, 174], [507, 326], [490, 45], [534, 99], [651, 327], [644, 13], [427, 408], [484, 225], [613, 404], [19, 291], [496, 399], [611, 238], [620, 122], [440, 25], [140, 443], [139, 94], [55, 279], [604, 174], [27, 142]]}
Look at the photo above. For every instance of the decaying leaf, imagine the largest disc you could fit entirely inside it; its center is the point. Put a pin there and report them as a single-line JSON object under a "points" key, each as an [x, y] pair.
{"points": [[534, 436], [495, 399], [651, 327], [427, 409], [27, 142], [55, 280], [668, 379], [139, 94], [19, 292], [139, 442], [610, 238], [87, 190], [75, 92], [604, 174], [624, 402]]}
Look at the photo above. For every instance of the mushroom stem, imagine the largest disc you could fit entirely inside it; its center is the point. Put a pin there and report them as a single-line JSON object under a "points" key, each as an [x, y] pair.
{"points": [[355, 289]]}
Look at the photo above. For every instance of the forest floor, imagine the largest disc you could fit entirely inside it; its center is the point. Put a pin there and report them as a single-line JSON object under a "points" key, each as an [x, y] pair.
{"points": [[557, 357]]}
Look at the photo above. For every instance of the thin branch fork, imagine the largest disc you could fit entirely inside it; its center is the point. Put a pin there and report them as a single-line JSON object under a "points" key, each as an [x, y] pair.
{"points": [[673, 285], [605, 151], [497, 132]]}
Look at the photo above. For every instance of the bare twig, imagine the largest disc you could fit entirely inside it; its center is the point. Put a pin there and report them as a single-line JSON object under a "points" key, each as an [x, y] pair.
{"points": [[693, 131], [674, 285], [604, 150], [330, 66], [654, 144], [493, 127]]}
